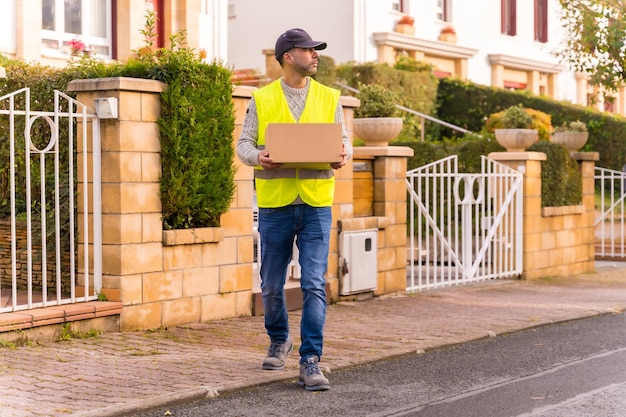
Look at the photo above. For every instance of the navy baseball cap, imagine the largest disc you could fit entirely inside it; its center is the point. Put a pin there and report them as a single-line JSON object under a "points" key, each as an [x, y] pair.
{"points": [[296, 38]]}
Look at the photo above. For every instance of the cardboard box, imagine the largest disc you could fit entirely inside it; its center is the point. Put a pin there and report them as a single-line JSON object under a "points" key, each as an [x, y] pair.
{"points": [[303, 143]]}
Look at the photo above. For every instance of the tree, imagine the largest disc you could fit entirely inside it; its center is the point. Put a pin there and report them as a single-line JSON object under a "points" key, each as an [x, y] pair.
{"points": [[594, 40]]}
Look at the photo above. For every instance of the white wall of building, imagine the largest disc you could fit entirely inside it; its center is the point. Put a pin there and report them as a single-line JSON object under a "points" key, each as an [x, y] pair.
{"points": [[213, 29], [7, 27], [347, 26]]}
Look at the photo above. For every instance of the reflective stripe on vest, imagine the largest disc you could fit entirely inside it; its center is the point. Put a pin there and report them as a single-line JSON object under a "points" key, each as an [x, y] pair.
{"points": [[280, 187]]}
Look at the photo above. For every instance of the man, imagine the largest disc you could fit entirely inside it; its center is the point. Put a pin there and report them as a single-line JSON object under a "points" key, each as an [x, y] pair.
{"points": [[293, 203]]}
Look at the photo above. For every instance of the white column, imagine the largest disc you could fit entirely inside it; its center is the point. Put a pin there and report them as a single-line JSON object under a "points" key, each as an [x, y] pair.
{"points": [[213, 33]]}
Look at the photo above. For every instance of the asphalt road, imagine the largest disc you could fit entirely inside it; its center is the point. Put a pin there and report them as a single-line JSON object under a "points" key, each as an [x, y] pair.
{"points": [[570, 369]]}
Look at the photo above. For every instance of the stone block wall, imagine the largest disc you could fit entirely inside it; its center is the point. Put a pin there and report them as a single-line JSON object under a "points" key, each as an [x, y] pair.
{"points": [[383, 191], [164, 278], [558, 241]]}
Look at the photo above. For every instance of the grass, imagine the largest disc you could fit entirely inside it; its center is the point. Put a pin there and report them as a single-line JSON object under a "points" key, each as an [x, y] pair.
{"points": [[617, 212], [68, 333]]}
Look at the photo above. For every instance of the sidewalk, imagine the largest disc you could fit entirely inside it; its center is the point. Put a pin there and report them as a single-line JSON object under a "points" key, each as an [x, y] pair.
{"points": [[118, 373]]}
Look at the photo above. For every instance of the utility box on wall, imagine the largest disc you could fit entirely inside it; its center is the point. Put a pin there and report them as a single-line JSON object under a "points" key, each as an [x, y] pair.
{"points": [[358, 264]]}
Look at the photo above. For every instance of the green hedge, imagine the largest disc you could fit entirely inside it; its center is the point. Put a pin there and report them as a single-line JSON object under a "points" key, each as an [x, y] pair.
{"points": [[196, 127], [416, 87], [468, 105], [561, 180]]}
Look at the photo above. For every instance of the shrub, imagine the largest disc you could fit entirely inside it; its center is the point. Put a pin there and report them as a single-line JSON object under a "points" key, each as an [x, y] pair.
{"points": [[520, 117], [415, 85], [561, 180], [515, 117], [575, 126], [376, 101], [196, 126], [326, 71], [468, 105]]}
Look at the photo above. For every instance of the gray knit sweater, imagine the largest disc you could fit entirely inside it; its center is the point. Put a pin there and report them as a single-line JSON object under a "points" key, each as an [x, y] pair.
{"points": [[247, 143]]}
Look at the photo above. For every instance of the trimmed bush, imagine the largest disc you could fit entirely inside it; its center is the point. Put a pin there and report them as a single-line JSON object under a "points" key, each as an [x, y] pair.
{"points": [[561, 180], [468, 105], [415, 85]]}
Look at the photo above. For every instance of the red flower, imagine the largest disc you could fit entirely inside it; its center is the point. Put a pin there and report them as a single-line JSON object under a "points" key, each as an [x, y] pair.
{"points": [[407, 20], [448, 29], [77, 47]]}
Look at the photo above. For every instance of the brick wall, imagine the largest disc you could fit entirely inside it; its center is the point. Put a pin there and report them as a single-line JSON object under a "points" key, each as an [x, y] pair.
{"points": [[21, 257]]}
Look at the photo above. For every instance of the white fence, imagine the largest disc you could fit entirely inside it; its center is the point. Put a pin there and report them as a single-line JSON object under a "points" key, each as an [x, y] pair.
{"points": [[464, 227], [52, 156], [609, 222]]}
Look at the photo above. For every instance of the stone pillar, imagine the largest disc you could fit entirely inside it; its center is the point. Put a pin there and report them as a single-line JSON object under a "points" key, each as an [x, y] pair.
{"points": [[273, 71], [581, 88], [390, 214], [461, 68], [497, 75], [586, 250], [557, 241], [131, 167], [386, 54], [553, 85]]}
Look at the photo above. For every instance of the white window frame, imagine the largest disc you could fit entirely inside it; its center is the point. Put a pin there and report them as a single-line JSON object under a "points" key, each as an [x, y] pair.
{"points": [[63, 38], [444, 11]]}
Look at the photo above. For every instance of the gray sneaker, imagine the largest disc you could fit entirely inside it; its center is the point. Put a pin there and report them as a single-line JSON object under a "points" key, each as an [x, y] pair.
{"points": [[276, 355], [311, 377]]}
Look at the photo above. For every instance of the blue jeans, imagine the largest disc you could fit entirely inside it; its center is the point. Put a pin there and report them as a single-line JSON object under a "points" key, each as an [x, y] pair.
{"points": [[278, 227]]}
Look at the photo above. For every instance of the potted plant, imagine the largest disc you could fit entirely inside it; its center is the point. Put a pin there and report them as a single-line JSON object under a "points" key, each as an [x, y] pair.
{"points": [[573, 135], [375, 121], [447, 34], [516, 132], [405, 25]]}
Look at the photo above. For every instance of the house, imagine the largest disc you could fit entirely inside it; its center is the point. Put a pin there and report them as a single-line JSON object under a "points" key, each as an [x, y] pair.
{"points": [[45, 30], [156, 275], [504, 43], [499, 43]]}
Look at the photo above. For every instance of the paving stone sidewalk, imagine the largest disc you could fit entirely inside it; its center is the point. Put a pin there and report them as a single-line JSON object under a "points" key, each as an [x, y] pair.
{"points": [[118, 373]]}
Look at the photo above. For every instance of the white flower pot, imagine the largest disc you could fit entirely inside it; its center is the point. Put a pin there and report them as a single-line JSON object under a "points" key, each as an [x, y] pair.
{"points": [[573, 141], [377, 131], [516, 140]]}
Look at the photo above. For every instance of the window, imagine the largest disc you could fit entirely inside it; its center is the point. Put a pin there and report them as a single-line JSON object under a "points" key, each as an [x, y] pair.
{"points": [[87, 21], [508, 17], [399, 6], [444, 8], [541, 21]]}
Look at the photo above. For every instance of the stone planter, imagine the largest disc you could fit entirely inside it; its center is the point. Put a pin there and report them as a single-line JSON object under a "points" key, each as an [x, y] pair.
{"points": [[573, 141], [405, 28], [377, 131], [447, 37], [516, 140]]}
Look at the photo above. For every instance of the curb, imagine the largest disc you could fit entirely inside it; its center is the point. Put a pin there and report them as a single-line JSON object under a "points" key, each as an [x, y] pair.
{"points": [[203, 393]]}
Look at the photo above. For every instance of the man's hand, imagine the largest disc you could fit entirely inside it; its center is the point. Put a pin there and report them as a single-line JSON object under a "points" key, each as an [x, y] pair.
{"points": [[266, 162], [337, 165]]}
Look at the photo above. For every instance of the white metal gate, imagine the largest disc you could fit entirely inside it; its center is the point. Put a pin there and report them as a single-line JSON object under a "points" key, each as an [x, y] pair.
{"points": [[463, 227], [52, 242], [610, 209]]}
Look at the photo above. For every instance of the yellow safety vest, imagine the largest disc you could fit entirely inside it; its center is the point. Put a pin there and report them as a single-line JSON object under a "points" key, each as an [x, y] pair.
{"points": [[280, 187]]}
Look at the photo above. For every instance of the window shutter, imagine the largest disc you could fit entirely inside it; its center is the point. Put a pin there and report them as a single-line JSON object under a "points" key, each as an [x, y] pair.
{"points": [[513, 17]]}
